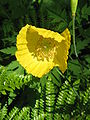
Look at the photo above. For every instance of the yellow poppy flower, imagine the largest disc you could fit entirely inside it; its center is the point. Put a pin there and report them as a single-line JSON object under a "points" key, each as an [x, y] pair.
{"points": [[39, 50]]}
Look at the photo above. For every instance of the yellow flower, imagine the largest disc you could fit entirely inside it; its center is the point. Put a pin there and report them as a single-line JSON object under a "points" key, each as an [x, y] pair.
{"points": [[39, 50]]}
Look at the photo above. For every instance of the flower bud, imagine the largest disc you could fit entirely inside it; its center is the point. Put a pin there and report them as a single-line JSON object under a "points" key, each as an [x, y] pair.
{"points": [[74, 6]]}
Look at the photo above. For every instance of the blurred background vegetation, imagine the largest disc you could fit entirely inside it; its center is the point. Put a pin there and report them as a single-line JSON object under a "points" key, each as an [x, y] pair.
{"points": [[54, 97]]}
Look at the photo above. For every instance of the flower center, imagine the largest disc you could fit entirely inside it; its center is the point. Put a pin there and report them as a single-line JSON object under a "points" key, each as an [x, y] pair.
{"points": [[45, 49]]}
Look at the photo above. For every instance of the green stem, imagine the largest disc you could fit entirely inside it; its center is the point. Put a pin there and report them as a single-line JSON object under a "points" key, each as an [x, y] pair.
{"points": [[81, 64], [74, 36]]}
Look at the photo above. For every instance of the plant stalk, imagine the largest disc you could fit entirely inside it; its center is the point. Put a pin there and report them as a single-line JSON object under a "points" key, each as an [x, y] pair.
{"points": [[74, 45]]}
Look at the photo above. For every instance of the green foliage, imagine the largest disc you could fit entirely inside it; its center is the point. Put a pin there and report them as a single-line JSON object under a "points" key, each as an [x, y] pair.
{"points": [[12, 113], [23, 114], [14, 66], [66, 102], [9, 50], [50, 99], [11, 82], [85, 11], [54, 96], [3, 111]]}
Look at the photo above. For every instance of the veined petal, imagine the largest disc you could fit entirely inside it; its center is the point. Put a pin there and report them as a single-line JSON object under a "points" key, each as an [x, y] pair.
{"points": [[21, 47], [32, 65], [48, 33], [62, 51], [21, 37], [39, 68], [67, 36]]}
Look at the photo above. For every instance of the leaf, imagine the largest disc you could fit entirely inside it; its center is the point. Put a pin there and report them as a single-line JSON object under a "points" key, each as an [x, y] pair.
{"points": [[7, 27], [78, 18], [86, 33], [12, 96], [16, 67], [43, 81], [56, 18], [85, 12], [9, 50], [3, 112], [55, 76], [80, 45], [61, 26], [3, 92], [87, 58], [88, 117], [13, 65], [12, 113], [74, 67], [19, 70], [11, 40]]}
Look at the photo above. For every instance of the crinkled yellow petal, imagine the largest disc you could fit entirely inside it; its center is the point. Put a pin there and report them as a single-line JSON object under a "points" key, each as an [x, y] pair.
{"points": [[32, 65], [62, 51], [21, 37], [67, 36], [48, 34], [39, 68]]}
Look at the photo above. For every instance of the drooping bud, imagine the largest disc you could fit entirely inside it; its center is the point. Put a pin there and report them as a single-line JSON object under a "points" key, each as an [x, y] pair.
{"points": [[74, 6]]}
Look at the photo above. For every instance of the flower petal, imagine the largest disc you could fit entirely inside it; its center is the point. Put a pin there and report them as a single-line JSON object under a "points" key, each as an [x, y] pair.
{"points": [[62, 51], [39, 68], [21, 37], [48, 34], [32, 65]]}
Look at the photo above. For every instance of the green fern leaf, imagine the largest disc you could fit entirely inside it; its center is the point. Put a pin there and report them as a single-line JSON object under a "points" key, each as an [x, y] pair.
{"points": [[3, 112], [85, 12], [50, 99], [80, 45], [35, 111], [23, 114], [12, 114], [74, 66], [9, 50], [16, 67]]}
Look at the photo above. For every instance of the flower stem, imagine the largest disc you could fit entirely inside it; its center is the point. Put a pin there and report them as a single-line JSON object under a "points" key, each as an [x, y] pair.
{"points": [[74, 36]]}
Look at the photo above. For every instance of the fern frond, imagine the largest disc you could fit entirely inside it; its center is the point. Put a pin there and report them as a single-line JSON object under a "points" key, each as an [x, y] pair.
{"points": [[50, 99], [57, 116], [85, 96], [67, 94], [71, 96], [7, 27], [85, 11], [41, 105], [11, 82], [12, 113], [81, 44], [3, 112], [15, 67], [35, 111], [9, 50], [24, 114], [62, 95]]}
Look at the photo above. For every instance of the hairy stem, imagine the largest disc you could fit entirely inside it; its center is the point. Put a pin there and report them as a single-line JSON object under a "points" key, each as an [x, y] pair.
{"points": [[75, 50], [74, 36]]}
